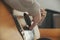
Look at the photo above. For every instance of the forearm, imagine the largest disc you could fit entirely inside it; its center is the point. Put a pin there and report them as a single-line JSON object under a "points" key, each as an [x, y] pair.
{"points": [[34, 11]]}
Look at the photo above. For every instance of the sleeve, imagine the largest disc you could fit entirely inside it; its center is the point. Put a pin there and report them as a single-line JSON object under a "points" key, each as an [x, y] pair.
{"points": [[34, 9], [30, 6]]}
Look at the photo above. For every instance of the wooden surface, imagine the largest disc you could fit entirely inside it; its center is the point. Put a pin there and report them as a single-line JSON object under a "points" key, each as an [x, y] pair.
{"points": [[54, 34]]}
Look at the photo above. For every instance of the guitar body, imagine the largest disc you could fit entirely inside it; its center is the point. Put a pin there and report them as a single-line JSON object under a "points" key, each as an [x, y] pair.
{"points": [[8, 30]]}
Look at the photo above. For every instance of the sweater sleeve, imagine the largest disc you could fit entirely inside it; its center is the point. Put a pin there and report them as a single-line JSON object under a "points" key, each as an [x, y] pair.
{"points": [[30, 6], [34, 9]]}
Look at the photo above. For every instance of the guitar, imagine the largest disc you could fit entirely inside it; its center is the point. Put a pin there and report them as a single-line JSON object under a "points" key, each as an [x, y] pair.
{"points": [[27, 21], [24, 31]]}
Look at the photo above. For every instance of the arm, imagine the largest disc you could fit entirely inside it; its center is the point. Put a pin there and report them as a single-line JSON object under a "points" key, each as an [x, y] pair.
{"points": [[34, 11], [31, 6]]}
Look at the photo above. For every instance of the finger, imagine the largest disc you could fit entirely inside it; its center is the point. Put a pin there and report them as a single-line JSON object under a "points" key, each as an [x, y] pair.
{"points": [[42, 9], [43, 13]]}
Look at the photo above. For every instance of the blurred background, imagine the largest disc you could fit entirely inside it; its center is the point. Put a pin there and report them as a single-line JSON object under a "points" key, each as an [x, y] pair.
{"points": [[52, 19]]}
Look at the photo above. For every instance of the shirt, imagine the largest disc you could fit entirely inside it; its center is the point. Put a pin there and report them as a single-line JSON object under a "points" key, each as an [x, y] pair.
{"points": [[30, 6]]}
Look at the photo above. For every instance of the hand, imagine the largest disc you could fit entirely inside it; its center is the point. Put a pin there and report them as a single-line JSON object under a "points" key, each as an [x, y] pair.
{"points": [[43, 14], [38, 18]]}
